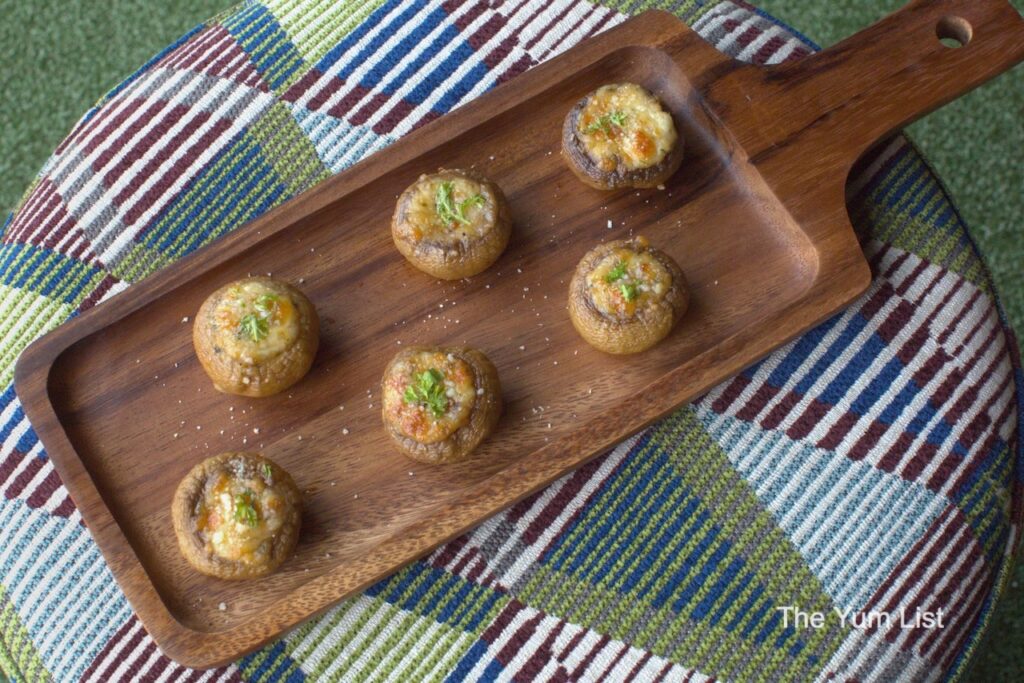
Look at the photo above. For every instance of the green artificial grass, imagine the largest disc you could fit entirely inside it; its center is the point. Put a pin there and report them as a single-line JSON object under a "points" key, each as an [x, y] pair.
{"points": [[59, 57]]}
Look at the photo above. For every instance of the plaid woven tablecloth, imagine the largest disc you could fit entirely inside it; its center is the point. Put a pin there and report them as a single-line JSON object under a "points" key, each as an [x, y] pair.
{"points": [[872, 465]]}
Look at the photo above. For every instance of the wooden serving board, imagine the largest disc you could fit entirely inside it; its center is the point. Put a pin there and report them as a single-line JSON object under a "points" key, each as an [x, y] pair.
{"points": [[755, 217]]}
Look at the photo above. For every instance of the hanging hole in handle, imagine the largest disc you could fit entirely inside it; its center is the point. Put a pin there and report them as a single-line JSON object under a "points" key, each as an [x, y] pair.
{"points": [[954, 31]]}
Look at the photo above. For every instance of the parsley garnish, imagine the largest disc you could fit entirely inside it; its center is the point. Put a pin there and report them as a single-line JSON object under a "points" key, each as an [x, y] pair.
{"points": [[265, 304], [616, 273], [267, 472], [629, 290], [450, 211], [604, 123], [245, 511], [254, 327], [428, 391]]}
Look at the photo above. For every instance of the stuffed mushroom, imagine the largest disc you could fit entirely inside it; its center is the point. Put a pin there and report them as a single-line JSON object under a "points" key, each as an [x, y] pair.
{"points": [[236, 516], [451, 224], [620, 136], [440, 403], [626, 296], [256, 336]]}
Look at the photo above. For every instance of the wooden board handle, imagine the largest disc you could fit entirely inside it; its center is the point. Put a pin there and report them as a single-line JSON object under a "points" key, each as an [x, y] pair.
{"points": [[852, 94]]}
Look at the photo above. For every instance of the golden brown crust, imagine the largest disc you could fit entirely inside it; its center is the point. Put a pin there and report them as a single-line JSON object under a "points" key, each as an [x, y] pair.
{"points": [[188, 504], [461, 258], [585, 167], [482, 419], [639, 332], [256, 378]]}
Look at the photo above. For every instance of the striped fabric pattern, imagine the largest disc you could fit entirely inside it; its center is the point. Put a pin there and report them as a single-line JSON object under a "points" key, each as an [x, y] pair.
{"points": [[873, 464]]}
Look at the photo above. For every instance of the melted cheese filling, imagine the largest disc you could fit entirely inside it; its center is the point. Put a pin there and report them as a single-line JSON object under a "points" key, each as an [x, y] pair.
{"points": [[255, 322], [239, 517], [626, 281], [424, 221], [624, 124], [456, 395]]}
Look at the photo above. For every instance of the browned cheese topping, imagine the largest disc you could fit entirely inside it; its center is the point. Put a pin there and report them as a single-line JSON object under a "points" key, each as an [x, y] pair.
{"points": [[626, 281], [240, 513], [429, 395], [623, 123], [448, 211], [255, 322]]}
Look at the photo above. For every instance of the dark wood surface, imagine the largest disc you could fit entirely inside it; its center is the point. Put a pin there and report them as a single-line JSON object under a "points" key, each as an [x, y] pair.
{"points": [[755, 217]]}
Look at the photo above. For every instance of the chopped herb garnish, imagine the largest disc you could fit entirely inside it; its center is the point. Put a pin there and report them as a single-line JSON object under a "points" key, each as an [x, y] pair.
{"points": [[629, 291], [444, 204], [265, 304], [428, 391], [450, 211], [245, 511], [475, 200], [616, 273], [254, 327], [605, 122], [267, 472]]}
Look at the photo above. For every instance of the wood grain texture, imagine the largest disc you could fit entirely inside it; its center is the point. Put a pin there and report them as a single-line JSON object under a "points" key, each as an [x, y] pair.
{"points": [[755, 217]]}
